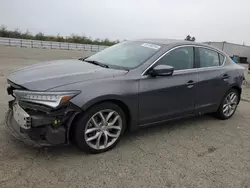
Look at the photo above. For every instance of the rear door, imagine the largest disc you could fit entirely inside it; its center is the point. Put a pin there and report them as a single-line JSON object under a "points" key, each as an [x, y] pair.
{"points": [[211, 82]]}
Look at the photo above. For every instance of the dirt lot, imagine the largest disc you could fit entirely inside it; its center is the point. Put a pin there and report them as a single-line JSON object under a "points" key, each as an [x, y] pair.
{"points": [[196, 152]]}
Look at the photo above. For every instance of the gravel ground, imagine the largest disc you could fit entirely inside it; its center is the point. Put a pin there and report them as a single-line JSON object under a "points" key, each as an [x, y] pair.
{"points": [[195, 152]]}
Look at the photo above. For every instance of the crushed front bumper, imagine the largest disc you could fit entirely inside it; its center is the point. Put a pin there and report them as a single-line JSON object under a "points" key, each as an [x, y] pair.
{"points": [[28, 123], [16, 131]]}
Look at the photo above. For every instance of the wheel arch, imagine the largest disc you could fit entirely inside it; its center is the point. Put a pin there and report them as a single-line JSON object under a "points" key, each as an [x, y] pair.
{"points": [[85, 108], [219, 113], [239, 89], [119, 103]]}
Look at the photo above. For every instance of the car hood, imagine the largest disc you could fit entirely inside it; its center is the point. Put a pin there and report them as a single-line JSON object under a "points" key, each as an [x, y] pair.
{"points": [[47, 75]]}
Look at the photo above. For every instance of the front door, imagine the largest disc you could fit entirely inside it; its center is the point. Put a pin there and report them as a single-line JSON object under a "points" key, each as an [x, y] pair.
{"points": [[167, 97]]}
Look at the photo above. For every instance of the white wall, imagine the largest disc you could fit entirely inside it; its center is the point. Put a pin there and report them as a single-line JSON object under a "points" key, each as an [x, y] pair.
{"points": [[216, 44], [233, 49]]}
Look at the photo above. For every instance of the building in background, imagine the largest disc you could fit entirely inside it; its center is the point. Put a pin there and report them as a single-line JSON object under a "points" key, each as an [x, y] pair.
{"points": [[231, 49]]}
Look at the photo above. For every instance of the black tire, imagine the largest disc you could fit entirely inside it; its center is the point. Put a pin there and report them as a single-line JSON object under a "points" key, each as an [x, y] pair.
{"points": [[219, 114], [82, 123]]}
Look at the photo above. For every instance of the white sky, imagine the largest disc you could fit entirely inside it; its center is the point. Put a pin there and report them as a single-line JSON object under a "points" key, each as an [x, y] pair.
{"points": [[207, 20]]}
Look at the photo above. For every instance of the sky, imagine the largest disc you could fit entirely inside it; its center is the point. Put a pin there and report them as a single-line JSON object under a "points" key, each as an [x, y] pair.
{"points": [[206, 20]]}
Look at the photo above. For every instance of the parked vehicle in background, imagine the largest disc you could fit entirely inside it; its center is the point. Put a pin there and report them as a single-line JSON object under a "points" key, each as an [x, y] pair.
{"points": [[92, 101]]}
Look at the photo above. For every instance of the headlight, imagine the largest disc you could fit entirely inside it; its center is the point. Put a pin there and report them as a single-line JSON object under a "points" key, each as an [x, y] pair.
{"points": [[52, 99]]}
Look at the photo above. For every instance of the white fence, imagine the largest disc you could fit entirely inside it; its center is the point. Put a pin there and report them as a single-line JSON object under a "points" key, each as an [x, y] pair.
{"points": [[50, 45]]}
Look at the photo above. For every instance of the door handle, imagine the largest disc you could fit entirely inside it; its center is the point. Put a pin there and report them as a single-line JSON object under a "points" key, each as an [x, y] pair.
{"points": [[225, 76], [190, 83]]}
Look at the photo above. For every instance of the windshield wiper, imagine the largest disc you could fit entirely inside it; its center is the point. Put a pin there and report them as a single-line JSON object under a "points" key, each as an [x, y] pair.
{"points": [[97, 63], [82, 58]]}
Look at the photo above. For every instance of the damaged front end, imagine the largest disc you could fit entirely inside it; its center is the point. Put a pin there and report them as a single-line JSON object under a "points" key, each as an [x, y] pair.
{"points": [[40, 118]]}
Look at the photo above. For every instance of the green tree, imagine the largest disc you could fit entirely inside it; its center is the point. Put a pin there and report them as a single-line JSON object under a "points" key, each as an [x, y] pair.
{"points": [[4, 32], [189, 38], [59, 38], [15, 34], [39, 36], [27, 35]]}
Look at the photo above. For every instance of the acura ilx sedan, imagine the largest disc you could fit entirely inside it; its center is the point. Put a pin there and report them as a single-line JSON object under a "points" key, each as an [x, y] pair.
{"points": [[92, 101]]}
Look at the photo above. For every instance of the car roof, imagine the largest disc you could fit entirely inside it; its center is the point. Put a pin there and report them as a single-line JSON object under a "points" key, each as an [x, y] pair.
{"points": [[173, 42]]}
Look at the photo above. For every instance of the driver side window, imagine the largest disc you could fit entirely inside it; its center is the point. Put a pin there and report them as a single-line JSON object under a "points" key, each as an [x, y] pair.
{"points": [[181, 58]]}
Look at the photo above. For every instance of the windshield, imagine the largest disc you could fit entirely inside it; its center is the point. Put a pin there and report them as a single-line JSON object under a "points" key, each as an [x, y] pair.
{"points": [[126, 55]]}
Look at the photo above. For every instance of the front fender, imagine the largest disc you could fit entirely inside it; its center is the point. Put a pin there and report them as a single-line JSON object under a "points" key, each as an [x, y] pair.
{"points": [[104, 98], [92, 92]]}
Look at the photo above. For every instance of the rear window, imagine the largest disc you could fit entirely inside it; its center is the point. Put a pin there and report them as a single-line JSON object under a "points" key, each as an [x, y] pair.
{"points": [[208, 58]]}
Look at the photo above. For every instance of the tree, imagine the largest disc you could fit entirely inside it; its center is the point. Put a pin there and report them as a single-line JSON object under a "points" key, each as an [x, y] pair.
{"points": [[59, 38], [15, 34], [189, 38], [39, 36], [3, 31], [27, 35]]}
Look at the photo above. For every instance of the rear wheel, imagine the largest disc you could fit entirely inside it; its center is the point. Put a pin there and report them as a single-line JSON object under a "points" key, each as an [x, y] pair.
{"points": [[228, 105], [100, 128]]}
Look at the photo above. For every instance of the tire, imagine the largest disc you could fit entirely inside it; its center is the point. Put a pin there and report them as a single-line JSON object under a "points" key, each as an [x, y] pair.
{"points": [[223, 115], [87, 128]]}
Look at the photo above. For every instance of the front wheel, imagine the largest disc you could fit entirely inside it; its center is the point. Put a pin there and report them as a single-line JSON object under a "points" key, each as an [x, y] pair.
{"points": [[228, 105], [100, 128]]}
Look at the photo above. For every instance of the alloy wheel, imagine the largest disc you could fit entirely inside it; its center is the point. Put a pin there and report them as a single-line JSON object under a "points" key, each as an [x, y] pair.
{"points": [[103, 129], [230, 104]]}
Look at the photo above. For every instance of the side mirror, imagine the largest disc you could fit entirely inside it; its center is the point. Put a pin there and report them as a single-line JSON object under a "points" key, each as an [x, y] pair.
{"points": [[161, 70]]}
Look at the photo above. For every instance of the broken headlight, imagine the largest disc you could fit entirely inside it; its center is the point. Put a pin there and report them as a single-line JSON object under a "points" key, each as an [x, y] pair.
{"points": [[52, 99]]}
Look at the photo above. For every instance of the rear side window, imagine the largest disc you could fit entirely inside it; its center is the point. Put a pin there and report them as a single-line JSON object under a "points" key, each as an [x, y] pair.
{"points": [[208, 58], [180, 58], [221, 59]]}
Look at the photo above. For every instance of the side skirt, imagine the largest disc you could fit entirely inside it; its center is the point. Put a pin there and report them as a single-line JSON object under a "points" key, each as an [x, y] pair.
{"points": [[167, 120]]}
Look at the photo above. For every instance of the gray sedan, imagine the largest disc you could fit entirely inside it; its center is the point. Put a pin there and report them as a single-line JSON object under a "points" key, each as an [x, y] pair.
{"points": [[92, 101]]}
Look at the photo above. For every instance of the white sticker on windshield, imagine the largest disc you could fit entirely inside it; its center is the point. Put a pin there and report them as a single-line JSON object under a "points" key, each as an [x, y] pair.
{"points": [[153, 46]]}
